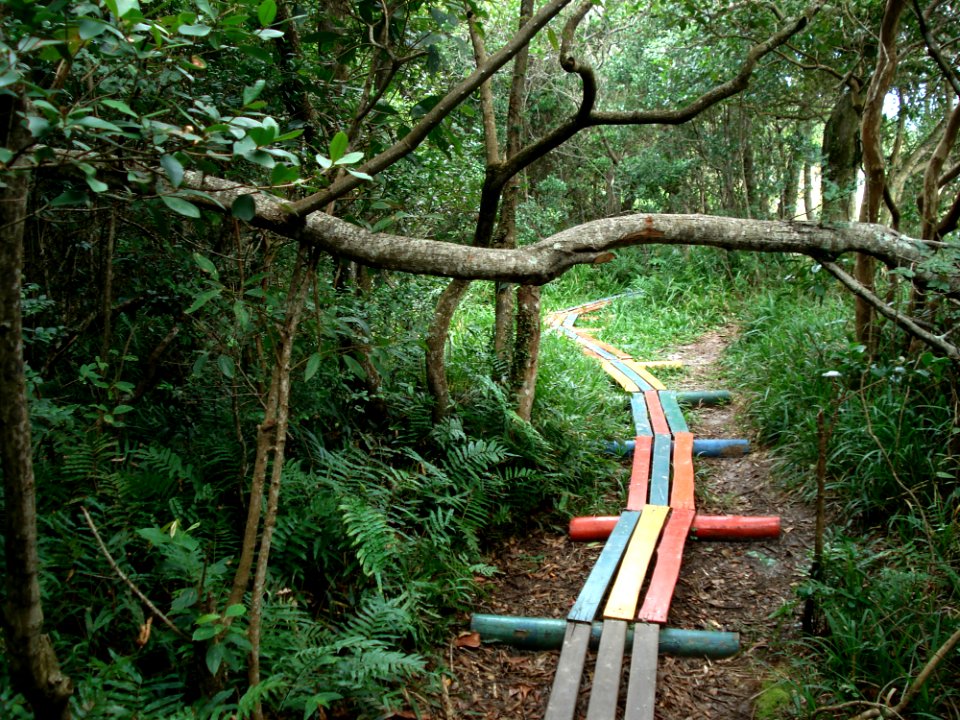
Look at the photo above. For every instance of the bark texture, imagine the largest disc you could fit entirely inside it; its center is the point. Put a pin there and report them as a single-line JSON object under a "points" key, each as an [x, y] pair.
{"points": [[30, 654]]}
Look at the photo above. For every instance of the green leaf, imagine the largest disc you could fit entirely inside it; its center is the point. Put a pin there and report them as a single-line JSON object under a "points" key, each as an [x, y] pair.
{"points": [[95, 123], [202, 299], [235, 610], [214, 657], [266, 12], [96, 185], [38, 126], [206, 632], [244, 208], [198, 30], [323, 161], [120, 106], [313, 364], [70, 197], [361, 175], [121, 8], [240, 313], [350, 158], [121, 409], [554, 41], [268, 34], [338, 146], [173, 169], [89, 28], [181, 206], [206, 264], [226, 365], [354, 367], [252, 92], [283, 174]]}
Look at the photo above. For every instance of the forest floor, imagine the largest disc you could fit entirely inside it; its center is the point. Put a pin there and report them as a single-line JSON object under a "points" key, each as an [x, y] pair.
{"points": [[732, 586]]}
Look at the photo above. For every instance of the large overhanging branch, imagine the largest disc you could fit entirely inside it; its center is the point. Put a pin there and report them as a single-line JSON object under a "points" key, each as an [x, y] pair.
{"points": [[589, 243]]}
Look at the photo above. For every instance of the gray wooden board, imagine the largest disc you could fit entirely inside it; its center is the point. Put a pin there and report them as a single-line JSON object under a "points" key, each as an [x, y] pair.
{"points": [[640, 418], [606, 677], [566, 683], [660, 472], [672, 411], [642, 686], [632, 375], [585, 608]]}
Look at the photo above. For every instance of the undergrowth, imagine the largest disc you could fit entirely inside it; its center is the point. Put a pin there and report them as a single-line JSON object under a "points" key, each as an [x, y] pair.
{"points": [[889, 586]]}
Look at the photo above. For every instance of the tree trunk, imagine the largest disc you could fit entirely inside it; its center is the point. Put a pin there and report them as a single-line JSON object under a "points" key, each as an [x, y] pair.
{"points": [[527, 349], [30, 654], [808, 202], [436, 346], [841, 159], [874, 165]]}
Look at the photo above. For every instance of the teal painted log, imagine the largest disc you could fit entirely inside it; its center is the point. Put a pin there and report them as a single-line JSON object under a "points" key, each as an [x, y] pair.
{"points": [[641, 420], [532, 633], [632, 375], [702, 447], [704, 397], [672, 411], [660, 471], [585, 608]]}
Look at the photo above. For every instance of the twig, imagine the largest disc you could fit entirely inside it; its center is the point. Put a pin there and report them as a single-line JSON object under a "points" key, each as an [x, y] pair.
{"points": [[130, 584]]}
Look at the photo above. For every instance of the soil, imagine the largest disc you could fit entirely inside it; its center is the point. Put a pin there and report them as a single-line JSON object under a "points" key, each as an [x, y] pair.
{"points": [[734, 586]]}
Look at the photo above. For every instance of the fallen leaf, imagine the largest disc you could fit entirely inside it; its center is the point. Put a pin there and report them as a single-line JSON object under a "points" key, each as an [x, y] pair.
{"points": [[468, 640]]}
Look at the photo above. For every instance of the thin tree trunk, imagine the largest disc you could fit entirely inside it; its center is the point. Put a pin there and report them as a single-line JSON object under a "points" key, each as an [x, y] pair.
{"points": [[302, 278], [808, 202], [527, 350], [436, 346], [874, 166], [30, 654]]}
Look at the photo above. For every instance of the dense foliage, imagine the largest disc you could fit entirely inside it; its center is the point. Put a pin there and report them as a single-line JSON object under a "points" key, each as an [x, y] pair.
{"points": [[247, 500]]}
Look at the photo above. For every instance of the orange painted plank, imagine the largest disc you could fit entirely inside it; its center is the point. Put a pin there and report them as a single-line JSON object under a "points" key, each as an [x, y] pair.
{"points": [[681, 495], [640, 474], [656, 605], [657, 419], [622, 380]]}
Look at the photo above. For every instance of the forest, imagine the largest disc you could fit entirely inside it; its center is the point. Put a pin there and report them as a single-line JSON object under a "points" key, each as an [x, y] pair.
{"points": [[275, 381]]}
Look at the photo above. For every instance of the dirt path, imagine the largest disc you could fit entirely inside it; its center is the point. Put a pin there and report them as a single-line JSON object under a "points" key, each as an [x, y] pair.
{"points": [[723, 586]]}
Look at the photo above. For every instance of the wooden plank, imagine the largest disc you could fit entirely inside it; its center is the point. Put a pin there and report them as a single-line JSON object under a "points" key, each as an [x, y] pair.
{"points": [[640, 473], [570, 319], [641, 420], [681, 494], [585, 608], [625, 593], [606, 677], [673, 413], [615, 351], [566, 682], [657, 419], [660, 471], [613, 371], [642, 686], [641, 370], [656, 605], [593, 347], [639, 381]]}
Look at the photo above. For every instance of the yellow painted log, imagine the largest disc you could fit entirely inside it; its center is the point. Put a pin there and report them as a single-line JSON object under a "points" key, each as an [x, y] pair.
{"points": [[624, 382], [625, 594], [641, 370]]}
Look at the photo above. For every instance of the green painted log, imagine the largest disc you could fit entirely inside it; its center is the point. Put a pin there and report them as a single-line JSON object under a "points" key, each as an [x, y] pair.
{"points": [[704, 397], [547, 634]]}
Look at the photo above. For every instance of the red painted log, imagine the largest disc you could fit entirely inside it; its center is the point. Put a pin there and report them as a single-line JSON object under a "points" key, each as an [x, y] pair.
{"points": [[705, 527]]}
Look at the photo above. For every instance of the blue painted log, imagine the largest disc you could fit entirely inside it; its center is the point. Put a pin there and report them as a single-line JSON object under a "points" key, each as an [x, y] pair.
{"points": [[660, 470], [585, 608], [641, 420], [532, 633], [704, 397], [702, 447]]}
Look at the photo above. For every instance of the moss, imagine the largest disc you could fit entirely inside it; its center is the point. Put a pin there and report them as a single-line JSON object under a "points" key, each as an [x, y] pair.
{"points": [[773, 702]]}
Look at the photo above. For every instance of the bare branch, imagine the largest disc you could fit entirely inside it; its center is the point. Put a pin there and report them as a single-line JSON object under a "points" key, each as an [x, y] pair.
{"points": [[933, 49], [130, 584], [904, 321]]}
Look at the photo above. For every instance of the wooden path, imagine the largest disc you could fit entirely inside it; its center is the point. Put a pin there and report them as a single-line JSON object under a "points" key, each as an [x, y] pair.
{"points": [[634, 578]]}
